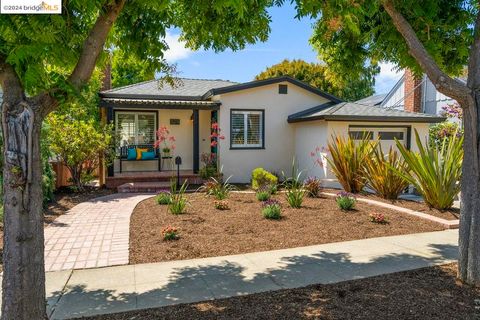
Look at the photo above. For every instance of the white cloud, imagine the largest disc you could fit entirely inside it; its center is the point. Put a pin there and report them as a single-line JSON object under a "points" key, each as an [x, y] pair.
{"points": [[177, 50], [387, 77]]}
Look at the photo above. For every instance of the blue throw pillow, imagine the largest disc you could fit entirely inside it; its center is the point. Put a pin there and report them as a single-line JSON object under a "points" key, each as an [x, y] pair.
{"points": [[132, 154], [149, 155]]}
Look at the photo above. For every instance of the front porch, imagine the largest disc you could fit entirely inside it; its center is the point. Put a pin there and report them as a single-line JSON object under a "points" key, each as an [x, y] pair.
{"points": [[136, 123]]}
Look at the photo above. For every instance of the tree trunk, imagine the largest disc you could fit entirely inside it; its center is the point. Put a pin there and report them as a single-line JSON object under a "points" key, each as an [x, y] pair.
{"points": [[23, 257], [469, 233]]}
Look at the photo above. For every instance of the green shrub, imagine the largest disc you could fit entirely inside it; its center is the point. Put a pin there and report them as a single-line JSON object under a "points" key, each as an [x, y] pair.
{"points": [[443, 130], [295, 197], [381, 173], [345, 201], [207, 172], [435, 171], [272, 209], [313, 186], [262, 178], [263, 194], [164, 198], [220, 190], [346, 160], [178, 201]]}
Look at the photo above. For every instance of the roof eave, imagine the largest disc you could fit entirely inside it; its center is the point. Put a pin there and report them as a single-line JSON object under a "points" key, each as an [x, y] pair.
{"points": [[148, 97], [369, 119], [259, 83]]}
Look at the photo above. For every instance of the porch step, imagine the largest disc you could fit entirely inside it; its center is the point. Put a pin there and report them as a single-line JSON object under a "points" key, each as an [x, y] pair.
{"points": [[144, 187]]}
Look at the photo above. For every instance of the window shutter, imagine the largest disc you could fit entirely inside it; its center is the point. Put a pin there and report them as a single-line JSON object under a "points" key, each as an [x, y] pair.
{"points": [[126, 128], [146, 129], [254, 132], [238, 128]]}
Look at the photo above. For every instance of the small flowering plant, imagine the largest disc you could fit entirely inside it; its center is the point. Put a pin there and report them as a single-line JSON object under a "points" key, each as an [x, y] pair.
{"points": [[378, 218], [221, 205], [264, 193], [170, 233], [345, 200], [272, 209], [165, 141]]}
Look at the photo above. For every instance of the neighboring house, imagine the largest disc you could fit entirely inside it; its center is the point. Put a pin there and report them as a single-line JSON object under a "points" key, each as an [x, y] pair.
{"points": [[414, 95], [266, 123]]}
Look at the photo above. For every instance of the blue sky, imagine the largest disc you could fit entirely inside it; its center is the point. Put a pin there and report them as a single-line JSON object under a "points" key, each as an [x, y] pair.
{"points": [[288, 40]]}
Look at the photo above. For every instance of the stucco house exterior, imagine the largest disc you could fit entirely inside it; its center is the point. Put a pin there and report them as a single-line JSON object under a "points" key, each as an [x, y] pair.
{"points": [[266, 123]]}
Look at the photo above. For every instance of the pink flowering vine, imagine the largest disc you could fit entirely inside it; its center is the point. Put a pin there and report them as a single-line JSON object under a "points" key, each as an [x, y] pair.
{"points": [[215, 134]]}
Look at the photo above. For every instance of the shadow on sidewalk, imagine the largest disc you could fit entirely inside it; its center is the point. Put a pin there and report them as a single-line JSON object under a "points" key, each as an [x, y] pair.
{"points": [[192, 284]]}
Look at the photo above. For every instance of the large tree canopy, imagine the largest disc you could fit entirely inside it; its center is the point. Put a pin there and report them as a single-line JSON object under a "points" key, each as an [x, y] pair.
{"points": [[319, 76], [45, 60], [436, 37]]}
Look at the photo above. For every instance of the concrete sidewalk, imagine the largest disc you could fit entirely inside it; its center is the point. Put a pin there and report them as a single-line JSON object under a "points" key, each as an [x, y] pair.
{"points": [[116, 289]]}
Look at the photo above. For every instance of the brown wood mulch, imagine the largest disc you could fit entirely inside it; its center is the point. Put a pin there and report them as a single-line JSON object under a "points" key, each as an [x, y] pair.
{"points": [[207, 232], [429, 293], [450, 214]]}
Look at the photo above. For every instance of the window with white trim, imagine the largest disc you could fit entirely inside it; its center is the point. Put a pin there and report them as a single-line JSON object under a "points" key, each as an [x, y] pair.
{"points": [[246, 130], [135, 127]]}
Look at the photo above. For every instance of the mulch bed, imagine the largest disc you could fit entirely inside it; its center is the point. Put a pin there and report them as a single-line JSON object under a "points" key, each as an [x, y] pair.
{"points": [[450, 214], [207, 232], [429, 293]]}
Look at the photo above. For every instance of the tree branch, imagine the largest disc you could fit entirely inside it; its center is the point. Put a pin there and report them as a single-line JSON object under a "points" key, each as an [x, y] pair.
{"points": [[474, 58], [13, 92], [93, 45], [444, 83]]}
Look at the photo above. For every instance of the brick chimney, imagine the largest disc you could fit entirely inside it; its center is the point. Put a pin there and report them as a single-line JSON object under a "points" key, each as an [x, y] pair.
{"points": [[107, 77], [413, 92]]}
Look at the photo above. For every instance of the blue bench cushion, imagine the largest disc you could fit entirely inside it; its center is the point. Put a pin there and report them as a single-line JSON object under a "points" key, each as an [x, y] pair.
{"points": [[132, 154], [148, 155]]}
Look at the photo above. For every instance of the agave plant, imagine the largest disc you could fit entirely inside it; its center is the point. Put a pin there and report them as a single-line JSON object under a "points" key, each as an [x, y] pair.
{"points": [[435, 171], [346, 160], [381, 173]]}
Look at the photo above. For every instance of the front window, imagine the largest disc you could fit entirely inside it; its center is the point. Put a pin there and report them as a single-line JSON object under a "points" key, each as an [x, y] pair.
{"points": [[246, 129], [135, 127]]}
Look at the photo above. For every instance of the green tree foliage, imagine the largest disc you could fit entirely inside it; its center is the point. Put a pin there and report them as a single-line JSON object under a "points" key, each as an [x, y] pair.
{"points": [[78, 144], [127, 69], [320, 76], [348, 36]]}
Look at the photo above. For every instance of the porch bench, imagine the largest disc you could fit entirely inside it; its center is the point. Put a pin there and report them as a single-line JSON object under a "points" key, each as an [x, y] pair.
{"points": [[149, 147]]}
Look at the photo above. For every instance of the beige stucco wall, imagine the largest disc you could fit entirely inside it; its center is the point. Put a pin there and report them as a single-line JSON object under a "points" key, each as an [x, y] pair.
{"points": [[310, 135], [279, 134], [183, 134]]}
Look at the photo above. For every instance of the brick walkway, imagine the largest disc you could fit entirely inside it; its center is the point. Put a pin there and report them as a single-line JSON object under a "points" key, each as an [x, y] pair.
{"points": [[92, 234]]}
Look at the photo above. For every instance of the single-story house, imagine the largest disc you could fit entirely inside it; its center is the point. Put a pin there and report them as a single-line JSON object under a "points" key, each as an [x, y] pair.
{"points": [[266, 123]]}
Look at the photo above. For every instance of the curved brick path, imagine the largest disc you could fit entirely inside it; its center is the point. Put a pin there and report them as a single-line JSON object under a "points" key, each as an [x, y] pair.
{"points": [[92, 234]]}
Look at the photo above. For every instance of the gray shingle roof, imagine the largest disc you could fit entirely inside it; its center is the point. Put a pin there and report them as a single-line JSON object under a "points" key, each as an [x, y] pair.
{"points": [[374, 100], [346, 111], [186, 89]]}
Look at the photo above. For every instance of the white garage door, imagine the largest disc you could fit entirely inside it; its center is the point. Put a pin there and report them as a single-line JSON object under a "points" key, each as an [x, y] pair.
{"points": [[386, 135]]}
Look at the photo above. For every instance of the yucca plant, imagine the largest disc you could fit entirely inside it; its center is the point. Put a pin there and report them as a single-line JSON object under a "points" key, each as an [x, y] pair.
{"points": [[346, 160], [435, 171], [381, 173]]}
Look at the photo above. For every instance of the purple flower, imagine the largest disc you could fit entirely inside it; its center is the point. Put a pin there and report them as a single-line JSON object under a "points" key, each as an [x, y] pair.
{"points": [[344, 194], [270, 203]]}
